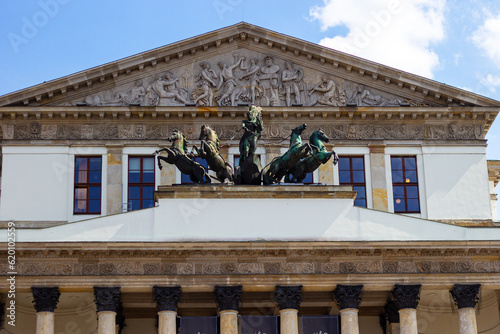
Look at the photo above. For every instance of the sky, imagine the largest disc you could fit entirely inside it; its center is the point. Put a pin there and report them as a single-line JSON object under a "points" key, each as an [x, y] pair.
{"points": [[456, 42]]}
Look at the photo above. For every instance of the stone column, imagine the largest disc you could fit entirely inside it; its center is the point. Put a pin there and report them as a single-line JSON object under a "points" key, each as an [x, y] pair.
{"points": [[114, 176], [45, 300], [167, 299], [466, 298], [406, 298], [288, 299], [392, 317], [108, 302], [348, 298], [379, 181], [228, 299]]}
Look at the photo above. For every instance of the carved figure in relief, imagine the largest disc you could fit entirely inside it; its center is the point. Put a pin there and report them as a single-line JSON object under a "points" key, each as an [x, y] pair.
{"points": [[209, 150], [291, 78], [248, 171], [333, 94], [204, 95], [362, 96], [228, 83], [164, 88], [282, 165], [252, 74], [319, 155], [135, 96], [270, 81], [176, 155]]}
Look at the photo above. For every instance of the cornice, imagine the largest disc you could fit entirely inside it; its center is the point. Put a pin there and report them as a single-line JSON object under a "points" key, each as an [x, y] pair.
{"points": [[273, 42]]}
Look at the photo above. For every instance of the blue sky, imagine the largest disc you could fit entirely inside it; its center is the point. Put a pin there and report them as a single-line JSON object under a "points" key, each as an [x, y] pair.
{"points": [[452, 41]]}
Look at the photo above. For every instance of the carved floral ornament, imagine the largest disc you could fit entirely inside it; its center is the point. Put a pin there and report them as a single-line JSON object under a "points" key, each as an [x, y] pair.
{"points": [[244, 78], [288, 297], [107, 299], [228, 297], [465, 295], [166, 298], [45, 299], [348, 296]]}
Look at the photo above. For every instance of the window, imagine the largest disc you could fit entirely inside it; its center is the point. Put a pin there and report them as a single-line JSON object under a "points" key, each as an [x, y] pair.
{"points": [[185, 178], [87, 185], [405, 184], [141, 182], [352, 173]]}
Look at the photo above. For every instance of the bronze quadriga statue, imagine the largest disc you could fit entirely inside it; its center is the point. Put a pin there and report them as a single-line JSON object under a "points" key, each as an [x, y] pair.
{"points": [[249, 168]]}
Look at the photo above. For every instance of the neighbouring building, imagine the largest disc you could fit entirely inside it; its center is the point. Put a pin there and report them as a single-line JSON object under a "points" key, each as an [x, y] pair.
{"points": [[400, 236]]}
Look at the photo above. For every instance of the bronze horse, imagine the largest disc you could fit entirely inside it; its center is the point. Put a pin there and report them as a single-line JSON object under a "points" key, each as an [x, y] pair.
{"points": [[176, 155], [209, 150]]}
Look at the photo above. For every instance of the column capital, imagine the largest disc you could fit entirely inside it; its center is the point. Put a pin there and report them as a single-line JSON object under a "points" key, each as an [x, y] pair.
{"points": [[347, 296], [45, 299], [107, 299], [465, 295], [288, 296], [391, 312], [166, 297], [406, 296], [228, 297]]}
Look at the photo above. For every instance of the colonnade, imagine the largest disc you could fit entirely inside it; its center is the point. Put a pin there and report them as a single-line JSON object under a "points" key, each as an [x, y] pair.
{"points": [[400, 310]]}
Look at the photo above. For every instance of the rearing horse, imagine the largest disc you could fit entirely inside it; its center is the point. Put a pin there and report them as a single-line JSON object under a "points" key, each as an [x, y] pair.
{"points": [[176, 155], [318, 156], [209, 150], [281, 166]]}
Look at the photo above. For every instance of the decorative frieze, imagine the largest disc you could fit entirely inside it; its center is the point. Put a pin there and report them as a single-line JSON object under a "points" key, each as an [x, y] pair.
{"points": [[288, 297], [406, 296], [45, 299], [166, 298], [348, 296], [107, 299], [465, 295], [228, 297]]}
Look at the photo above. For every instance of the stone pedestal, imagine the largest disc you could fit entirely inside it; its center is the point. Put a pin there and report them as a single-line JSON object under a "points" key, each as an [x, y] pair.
{"points": [[408, 321], [45, 323], [106, 322], [289, 321], [228, 322], [349, 323], [167, 322]]}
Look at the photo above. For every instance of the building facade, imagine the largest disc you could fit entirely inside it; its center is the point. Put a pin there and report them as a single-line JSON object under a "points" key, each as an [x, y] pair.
{"points": [[400, 236]]}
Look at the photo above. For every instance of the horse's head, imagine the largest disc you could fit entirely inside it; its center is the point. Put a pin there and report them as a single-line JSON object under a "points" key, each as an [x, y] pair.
{"points": [[299, 129], [320, 134], [204, 132], [176, 135]]}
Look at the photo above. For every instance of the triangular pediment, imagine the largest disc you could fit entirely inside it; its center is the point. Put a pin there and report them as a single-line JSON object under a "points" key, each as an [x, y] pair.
{"points": [[239, 65]]}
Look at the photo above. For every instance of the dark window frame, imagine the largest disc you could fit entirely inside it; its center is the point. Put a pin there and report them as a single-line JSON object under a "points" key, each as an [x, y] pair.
{"points": [[406, 184], [355, 184], [141, 184], [86, 185]]}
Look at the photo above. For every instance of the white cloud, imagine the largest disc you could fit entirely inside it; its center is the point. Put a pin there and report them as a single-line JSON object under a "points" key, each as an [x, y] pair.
{"points": [[491, 82], [397, 33], [487, 37]]}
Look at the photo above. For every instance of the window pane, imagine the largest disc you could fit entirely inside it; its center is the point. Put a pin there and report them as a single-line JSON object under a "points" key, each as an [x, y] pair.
{"points": [[360, 202], [397, 176], [81, 177], [185, 179], [358, 176], [399, 205], [134, 192], [412, 192], [95, 205], [148, 176], [396, 163], [344, 176], [134, 204], [361, 192], [81, 206], [411, 176], [134, 176], [94, 192], [147, 192], [81, 193], [344, 164], [95, 176], [236, 161], [399, 191], [134, 163], [202, 162], [413, 205], [148, 164], [308, 178], [148, 203], [81, 163], [357, 164], [95, 164], [410, 163]]}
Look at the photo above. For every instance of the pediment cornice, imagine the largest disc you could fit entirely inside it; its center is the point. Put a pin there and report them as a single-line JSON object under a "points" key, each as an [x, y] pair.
{"points": [[411, 88]]}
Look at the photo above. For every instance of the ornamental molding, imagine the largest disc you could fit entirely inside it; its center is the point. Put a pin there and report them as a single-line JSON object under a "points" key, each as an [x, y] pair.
{"points": [[45, 299], [465, 295], [228, 297], [288, 297], [166, 298], [237, 44]]}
